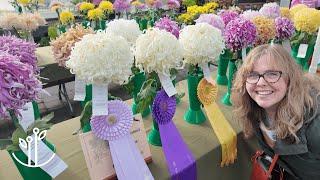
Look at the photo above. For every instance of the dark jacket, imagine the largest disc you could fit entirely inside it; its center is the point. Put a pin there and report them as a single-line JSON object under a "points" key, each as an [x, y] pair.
{"points": [[301, 160]]}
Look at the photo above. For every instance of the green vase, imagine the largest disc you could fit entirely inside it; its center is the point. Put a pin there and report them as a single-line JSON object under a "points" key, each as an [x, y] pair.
{"points": [[224, 58], [36, 110], [154, 135], [138, 81], [88, 95], [62, 29], [194, 114], [143, 24], [303, 62], [102, 24], [232, 69], [86, 128], [29, 173], [85, 23]]}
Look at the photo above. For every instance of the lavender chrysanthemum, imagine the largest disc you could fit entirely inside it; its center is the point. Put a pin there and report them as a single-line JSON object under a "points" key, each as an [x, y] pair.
{"points": [[227, 16], [116, 124], [270, 10], [212, 19], [18, 84], [173, 4], [163, 107], [284, 28], [169, 25], [24, 50], [121, 6], [250, 14], [239, 33]]}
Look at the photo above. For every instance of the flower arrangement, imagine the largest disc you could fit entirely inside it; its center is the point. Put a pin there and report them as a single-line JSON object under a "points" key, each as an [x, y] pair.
{"points": [[63, 45], [265, 29], [169, 25], [210, 7], [297, 8], [27, 21], [85, 7], [19, 84], [270, 10], [284, 28], [193, 12], [23, 50], [285, 12], [228, 15], [211, 19], [121, 6], [201, 43], [66, 17], [101, 58], [106, 7], [95, 14], [158, 50], [307, 20], [250, 14], [128, 29], [239, 33]]}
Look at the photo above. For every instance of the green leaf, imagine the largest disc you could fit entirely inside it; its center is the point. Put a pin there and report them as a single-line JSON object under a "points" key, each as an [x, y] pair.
{"points": [[86, 114], [4, 143], [18, 133], [146, 95], [13, 148]]}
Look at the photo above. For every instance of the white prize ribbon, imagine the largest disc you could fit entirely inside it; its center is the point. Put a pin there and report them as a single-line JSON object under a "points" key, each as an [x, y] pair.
{"points": [[167, 84], [99, 100], [316, 55], [79, 89], [206, 72], [27, 116], [244, 53], [302, 51]]}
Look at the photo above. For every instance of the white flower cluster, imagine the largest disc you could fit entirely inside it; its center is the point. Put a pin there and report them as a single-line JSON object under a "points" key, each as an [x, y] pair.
{"points": [[201, 43], [128, 29], [158, 50], [101, 58]]}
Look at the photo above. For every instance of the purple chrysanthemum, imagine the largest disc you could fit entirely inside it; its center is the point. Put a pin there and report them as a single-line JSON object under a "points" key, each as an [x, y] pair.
{"points": [[173, 4], [270, 10], [167, 24], [239, 33], [116, 124], [121, 6], [163, 107], [284, 28], [212, 19], [18, 84], [24, 50], [228, 15]]}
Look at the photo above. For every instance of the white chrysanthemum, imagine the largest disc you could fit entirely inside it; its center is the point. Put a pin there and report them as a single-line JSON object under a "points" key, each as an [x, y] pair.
{"points": [[128, 29], [101, 58], [250, 14], [201, 43], [158, 50]]}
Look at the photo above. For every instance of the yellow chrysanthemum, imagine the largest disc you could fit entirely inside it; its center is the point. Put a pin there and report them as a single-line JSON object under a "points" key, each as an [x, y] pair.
{"points": [[265, 28], [210, 7], [86, 6], [23, 2], [95, 14], [285, 12], [56, 5], [136, 3], [66, 17], [307, 20], [297, 8], [106, 6]]}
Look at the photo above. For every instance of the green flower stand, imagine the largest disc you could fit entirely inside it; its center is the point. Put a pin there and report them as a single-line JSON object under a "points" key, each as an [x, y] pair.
{"points": [[232, 69], [138, 81], [224, 58], [303, 62], [194, 114], [154, 135]]}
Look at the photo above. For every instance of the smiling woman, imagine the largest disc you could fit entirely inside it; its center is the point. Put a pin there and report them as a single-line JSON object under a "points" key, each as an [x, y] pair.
{"points": [[279, 104]]}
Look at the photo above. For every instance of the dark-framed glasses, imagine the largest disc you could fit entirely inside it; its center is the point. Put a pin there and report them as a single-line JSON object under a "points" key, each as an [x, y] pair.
{"points": [[268, 76]]}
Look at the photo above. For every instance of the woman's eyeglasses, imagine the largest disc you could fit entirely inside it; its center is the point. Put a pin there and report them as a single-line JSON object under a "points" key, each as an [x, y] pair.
{"points": [[269, 76]]}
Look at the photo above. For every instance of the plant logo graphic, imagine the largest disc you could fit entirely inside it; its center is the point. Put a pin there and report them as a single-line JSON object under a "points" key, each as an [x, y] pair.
{"points": [[27, 144]]}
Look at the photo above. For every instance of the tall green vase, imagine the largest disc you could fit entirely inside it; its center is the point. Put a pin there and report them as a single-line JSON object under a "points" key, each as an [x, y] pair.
{"points": [[102, 24], [232, 69], [36, 110], [138, 81], [88, 95], [303, 62], [154, 135], [224, 58], [194, 114]]}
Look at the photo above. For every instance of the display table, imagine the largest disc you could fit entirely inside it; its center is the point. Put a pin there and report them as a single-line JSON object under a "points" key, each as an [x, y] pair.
{"points": [[200, 138]]}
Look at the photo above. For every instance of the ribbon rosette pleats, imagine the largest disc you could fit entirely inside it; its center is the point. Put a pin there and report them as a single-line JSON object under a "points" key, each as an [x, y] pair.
{"points": [[180, 160], [207, 94], [115, 128]]}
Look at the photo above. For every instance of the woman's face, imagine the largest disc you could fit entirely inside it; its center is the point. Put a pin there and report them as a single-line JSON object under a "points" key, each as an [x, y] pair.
{"points": [[266, 94]]}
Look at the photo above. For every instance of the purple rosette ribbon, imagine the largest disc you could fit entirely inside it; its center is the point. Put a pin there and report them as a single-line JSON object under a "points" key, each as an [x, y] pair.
{"points": [[115, 128], [180, 160]]}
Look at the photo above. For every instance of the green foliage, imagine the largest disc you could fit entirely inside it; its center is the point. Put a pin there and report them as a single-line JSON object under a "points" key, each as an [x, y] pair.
{"points": [[129, 86], [303, 38], [44, 41], [86, 114], [146, 95], [189, 2], [53, 31]]}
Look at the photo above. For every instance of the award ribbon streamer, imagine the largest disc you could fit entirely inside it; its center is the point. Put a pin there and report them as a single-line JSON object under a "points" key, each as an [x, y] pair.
{"points": [[207, 94], [180, 161], [115, 128]]}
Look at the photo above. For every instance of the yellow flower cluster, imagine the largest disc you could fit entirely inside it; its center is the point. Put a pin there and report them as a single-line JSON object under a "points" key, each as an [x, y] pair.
{"points": [[194, 12], [297, 8], [95, 14], [106, 6], [23, 2], [285, 12], [66, 17], [136, 3], [265, 29], [307, 20], [86, 6]]}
